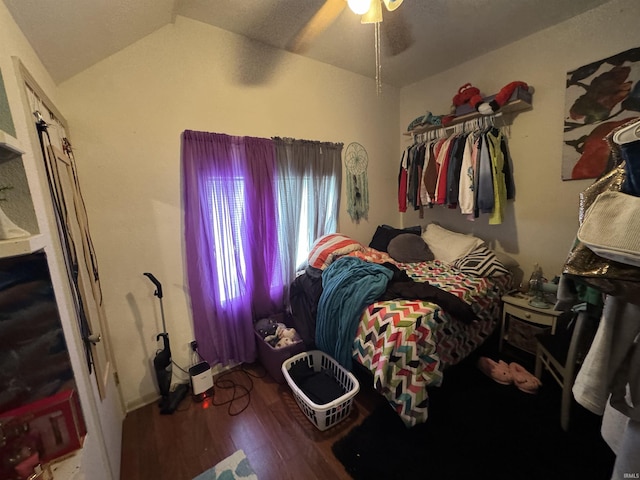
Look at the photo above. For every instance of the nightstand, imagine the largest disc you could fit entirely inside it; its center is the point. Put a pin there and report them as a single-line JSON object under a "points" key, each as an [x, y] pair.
{"points": [[521, 322]]}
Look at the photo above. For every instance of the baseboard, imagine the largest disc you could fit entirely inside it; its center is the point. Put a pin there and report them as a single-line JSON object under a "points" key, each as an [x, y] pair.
{"points": [[142, 401]]}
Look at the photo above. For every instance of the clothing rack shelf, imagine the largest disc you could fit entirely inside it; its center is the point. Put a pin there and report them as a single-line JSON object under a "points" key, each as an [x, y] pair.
{"points": [[21, 246], [514, 106], [9, 147], [10, 151]]}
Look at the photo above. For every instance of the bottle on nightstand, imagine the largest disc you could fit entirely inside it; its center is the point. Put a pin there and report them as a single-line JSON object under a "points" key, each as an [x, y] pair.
{"points": [[536, 289]]}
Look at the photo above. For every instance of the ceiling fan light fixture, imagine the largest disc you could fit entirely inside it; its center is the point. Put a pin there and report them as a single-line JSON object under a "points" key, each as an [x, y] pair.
{"points": [[374, 14], [359, 7]]}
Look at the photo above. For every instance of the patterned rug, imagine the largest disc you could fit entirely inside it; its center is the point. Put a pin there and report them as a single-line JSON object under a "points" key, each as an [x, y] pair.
{"points": [[234, 467]]}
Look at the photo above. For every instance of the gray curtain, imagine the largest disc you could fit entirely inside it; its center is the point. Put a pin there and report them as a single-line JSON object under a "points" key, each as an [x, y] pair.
{"points": [[309, 184]]}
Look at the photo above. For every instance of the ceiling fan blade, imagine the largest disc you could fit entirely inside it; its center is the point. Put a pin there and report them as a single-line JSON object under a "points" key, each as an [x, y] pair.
{"points": [[396, 33], [392, 4], [324, 17]]}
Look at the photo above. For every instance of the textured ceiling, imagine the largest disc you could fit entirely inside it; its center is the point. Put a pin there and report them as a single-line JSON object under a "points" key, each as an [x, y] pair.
{"points": [[71, 35]]}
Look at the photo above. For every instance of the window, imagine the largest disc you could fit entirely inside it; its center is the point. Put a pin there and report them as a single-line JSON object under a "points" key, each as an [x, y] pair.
{"points": [[226, 223], [226, 229], [253, 207], [311, 214]]}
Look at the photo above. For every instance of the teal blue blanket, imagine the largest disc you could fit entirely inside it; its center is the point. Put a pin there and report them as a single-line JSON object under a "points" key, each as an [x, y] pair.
{"points": [[349, 285]]}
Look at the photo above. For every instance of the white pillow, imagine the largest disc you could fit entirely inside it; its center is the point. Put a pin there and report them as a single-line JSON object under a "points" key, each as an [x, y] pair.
{"points": [[448, 246]]}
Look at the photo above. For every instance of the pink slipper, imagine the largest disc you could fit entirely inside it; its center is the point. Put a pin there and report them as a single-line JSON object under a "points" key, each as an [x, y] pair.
{"points": [[524, 380], [497, 371]]}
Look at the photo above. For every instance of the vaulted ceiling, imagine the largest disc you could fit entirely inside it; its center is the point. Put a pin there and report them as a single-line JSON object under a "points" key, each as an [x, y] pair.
{"points": [[71, 35]]}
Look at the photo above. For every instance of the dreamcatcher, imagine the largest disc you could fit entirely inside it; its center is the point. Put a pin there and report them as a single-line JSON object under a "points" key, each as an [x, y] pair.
{"points": [[356, 160]]}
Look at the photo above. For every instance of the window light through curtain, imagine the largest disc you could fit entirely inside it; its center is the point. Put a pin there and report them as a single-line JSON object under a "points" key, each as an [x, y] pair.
{"points": [[252, 209], [309, 176], [226, 223]]}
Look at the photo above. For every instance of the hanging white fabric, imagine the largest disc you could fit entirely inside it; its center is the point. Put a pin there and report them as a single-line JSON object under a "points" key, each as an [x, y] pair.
{"points": [[356, 161]]}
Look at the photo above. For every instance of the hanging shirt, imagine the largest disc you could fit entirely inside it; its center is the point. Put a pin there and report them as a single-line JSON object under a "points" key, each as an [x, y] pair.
{"points": [[508, 175], [467, 174], [429, 175], [410, 165], [494, 141], [434, 171], [402, 182], [484, 180], [419, 165], [443, 160], [453, 174], [412, 174]]}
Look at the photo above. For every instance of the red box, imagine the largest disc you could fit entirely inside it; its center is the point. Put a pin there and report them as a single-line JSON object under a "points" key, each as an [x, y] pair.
{"points": [[58, 422]]}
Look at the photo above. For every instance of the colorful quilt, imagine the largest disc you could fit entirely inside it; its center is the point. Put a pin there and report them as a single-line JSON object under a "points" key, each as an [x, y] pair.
{"points": [[407, 344]]}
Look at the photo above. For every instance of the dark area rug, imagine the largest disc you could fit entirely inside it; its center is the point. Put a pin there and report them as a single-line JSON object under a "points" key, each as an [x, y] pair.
{"points": [[479, 429]]}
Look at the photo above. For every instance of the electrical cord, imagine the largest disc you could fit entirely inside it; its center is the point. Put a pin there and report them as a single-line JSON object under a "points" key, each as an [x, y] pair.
{"points": [[222, 383], [179, 367], [239, 391], [173, 362]]}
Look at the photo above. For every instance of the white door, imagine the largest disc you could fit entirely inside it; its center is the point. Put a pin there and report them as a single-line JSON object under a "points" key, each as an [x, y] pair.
{"points": [[104, 403], [85, 281]]}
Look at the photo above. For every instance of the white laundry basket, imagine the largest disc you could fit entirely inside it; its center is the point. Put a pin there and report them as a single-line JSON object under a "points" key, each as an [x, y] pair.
{"points": [[327, 415]]}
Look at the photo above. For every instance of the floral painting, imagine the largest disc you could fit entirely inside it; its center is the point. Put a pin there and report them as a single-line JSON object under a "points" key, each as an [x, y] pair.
{"points": [[600, 96]]}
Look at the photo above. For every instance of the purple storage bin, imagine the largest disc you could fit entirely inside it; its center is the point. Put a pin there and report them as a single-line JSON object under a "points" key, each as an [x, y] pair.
{"points": [[273, 358]]}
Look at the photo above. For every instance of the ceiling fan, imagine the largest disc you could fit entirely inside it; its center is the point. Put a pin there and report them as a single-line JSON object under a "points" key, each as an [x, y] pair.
{"points": [[396, 33], [371, 10]]}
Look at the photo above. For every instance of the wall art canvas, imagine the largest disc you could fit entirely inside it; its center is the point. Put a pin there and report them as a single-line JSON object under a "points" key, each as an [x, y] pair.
{"points": [[600, 96]]}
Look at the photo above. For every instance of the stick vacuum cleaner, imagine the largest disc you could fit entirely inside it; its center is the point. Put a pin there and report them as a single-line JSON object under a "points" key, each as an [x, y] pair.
{"points": [[162, 364]]}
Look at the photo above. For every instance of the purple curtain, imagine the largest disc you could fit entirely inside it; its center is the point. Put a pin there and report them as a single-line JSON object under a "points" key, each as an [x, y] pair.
{"points": [[231, 242]]}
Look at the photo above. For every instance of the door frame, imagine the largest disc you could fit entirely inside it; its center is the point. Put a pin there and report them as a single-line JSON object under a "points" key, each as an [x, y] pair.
{"points": [[99, 393]]}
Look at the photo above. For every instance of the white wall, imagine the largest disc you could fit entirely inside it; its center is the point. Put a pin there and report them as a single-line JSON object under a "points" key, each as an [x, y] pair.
{"points": [[126, 115], [541, 224]]}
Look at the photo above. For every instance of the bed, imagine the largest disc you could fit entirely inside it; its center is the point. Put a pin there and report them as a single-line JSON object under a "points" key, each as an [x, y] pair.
{"points": [[407, 343]]}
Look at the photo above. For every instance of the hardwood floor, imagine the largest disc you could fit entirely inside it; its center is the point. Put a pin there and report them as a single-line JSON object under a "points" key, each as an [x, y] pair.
{"points": [[279, 441]]}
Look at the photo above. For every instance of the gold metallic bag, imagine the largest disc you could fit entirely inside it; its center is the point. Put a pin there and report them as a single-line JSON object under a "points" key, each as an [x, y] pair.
{"points": [[611, 227], [608, 276]]}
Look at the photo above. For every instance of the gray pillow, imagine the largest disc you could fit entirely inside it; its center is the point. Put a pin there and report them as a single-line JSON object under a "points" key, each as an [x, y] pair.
{"points": [[509, 262], [409, 248]]}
